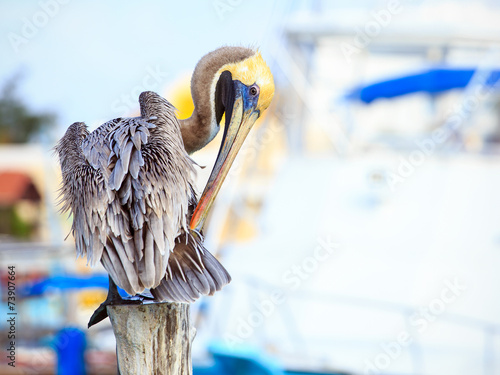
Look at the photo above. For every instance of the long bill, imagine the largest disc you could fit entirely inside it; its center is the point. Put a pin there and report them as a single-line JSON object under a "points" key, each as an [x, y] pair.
{"points": [[242, 120]]}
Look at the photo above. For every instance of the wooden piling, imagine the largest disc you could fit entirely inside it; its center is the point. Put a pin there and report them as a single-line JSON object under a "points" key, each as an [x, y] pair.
{"points": [[152, 339]]}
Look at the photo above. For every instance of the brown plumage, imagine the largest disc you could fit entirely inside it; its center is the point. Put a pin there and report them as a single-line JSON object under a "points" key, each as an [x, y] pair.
{"points": [[129, 184]]}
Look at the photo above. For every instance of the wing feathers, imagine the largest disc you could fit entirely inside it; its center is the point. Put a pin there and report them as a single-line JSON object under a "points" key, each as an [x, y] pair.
{"points": [[160, 264], [188, 276], [148, 274], [156, 227], [136, 161], [129, 185]]}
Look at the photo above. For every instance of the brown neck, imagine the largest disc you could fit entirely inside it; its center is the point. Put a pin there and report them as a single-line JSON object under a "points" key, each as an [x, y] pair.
{"points": [[195, 132], [200, 128]]}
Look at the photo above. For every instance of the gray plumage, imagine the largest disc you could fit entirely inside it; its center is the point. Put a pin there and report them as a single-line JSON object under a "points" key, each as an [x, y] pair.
{"points": [[129, 186]]}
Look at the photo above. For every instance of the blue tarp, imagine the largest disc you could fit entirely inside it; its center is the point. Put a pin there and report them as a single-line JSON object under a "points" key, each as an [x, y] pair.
{"points": [[432, 81], [245, 361], [65, 283]]}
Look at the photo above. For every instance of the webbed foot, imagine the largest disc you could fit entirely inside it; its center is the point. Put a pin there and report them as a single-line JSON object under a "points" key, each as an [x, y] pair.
{"points": [[114, 298]]}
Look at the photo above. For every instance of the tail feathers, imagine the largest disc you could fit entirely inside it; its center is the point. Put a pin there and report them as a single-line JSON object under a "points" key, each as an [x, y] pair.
{"points": [[191, 272]]}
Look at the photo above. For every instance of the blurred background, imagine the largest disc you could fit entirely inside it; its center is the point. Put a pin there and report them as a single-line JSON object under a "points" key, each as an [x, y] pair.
{"points": [[360, 222]]}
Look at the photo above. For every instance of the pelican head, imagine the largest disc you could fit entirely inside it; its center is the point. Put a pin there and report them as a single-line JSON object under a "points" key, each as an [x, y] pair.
{"points": [[234, 82]]}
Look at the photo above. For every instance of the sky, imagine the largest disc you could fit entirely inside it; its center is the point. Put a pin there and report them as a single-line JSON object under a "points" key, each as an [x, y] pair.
{"points": [[88, 61]]}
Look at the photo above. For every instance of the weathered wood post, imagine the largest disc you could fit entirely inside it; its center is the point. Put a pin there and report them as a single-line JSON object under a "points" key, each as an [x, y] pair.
{"points": [[152, 339]]}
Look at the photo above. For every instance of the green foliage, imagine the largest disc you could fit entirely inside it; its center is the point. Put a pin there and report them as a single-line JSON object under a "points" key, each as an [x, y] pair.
{"points": [[18, 124], [12, 224]]}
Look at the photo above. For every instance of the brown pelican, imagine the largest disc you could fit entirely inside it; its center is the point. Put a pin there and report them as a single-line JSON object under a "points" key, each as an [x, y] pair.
{"points": [[129, 184]]}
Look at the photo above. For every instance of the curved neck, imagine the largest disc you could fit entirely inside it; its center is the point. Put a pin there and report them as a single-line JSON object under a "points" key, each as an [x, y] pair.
{"points": [[201, 127], [197, 131]]}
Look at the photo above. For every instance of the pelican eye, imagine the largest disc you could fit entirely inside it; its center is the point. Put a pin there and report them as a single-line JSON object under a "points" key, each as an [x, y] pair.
{"points": [[254, 90]]}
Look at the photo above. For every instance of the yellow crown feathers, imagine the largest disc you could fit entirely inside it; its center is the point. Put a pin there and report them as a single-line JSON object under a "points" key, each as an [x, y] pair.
{"points": [[254, 70]]}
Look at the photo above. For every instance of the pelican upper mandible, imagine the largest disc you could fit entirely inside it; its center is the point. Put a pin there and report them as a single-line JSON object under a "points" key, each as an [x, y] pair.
{"points": [[129, 184]]}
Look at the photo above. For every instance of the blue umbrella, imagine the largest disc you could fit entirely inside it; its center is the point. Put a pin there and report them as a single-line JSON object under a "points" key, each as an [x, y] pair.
{"points": [[433, 81]]}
